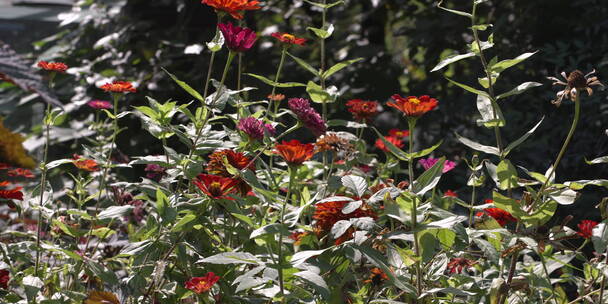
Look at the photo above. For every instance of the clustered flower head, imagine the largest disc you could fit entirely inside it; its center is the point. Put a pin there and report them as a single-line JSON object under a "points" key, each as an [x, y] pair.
{"points": [[575, 82], [216, 187], [585, 228], [502, 217], [255, 127], [362, 110], [53, 66], [396, 141], [288, 39], [294, 152], [456, 265], [429, 162], [307, 115], [100, 104], [119, 87], [233, 7], [202, 284], [238, 39], [413, 106]]}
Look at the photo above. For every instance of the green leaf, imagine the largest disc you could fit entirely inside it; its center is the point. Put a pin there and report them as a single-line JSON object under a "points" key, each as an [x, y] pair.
{"points": [[599, 160], [186, 87], [305, 65], [66, 229], [485, 83], [232, 258], [392, 148], [424, 152], [428, 245], [505, 64], [269, 229], [276, 84], [184, 222], [115, 212], [323, 33], [163, 207], [468, 88], [324, 6], [537, 218], [481, 27], [316, 93], [477, 146], [460, 13], [520, 140], [429, 179], [487, 108], [519, 89], [217, 42], [507, 175], [451, 59], [580, 184], [339, 66], [356, 184], [317, 282]]}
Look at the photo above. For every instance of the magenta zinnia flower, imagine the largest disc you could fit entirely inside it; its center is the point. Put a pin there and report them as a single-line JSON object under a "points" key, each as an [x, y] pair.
{"points": [[254, 127], [429, 162], [99, 104], [307, 115], [238, 39]]}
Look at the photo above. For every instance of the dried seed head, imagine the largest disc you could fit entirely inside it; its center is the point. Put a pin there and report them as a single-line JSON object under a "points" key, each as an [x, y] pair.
{"points": [[576, 79]]}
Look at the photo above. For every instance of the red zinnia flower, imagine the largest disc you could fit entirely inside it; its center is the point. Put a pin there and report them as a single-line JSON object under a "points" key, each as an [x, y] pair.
{"points": [[4, 278], [393, 140], [202, 284], [11, 194], [119, 87], [20, 172], [376, 276], [238, 39], [99, 104], [585, 228], [294, 152], [288, 39], [84, 163], [237, 160], [399, 133], [362, 110], [501, 216], [233, 7], [53, 66], [450, 193], [328, 213], [4, 166], [216, 187], [456, 265], [413, 106]]}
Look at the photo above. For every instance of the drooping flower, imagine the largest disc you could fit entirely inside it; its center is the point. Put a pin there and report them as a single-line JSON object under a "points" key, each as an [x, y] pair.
{"points": [[99, 104], [397, 142], [216, 187], [119, 87], [413, 106], [288, 39], [450, 193], [307, 115], [456, 265], [328, 213], [276, 97], [202, 284], [574, 83], [238, 39], [11, 149], [255, 128], [585, 228], [155, 172], [4, 278], [53, 66], [84, 163], [399, 133], [429, 162], [233, 7], [501, 216], [362, 110], [237, 160], [376, 277], [11, 194], [20, 172], [294, 152]]}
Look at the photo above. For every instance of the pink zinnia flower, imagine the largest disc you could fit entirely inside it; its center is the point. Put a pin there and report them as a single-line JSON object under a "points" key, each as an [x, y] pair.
{"points": [[307, 115], [429, 162], [238, 39], [255, 128], [99, 104]]}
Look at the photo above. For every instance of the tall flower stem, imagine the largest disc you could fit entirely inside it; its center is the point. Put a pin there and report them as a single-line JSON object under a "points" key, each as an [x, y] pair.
{"points": [[274, 86], [212, 59], [324, 20], [292, 175], [42, 188], [412, 125]]}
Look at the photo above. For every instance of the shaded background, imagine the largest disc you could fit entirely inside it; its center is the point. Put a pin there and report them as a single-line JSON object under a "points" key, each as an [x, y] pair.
{"points": [[401, 42]]}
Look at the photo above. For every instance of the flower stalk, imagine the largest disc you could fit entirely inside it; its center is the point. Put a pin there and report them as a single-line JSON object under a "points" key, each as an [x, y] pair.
{"points": [[411, 121], [292, 175]]}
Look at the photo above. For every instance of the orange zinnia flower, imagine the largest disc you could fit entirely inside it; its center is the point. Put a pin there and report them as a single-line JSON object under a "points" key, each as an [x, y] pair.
{"points": [[202, 284], [413, 106], [233, 7], [376, 276], [84, 163], [237, 160], [119, 87], [216, 187], [288, 39], [294, 152], [53, 66], [11, 194], [392, 139], [328, 213]]}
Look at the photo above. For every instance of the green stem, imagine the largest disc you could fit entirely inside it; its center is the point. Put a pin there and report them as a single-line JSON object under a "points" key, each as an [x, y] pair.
{"points": [[219, 92], [542, 260], [292, 176], [472, 210], [412, 125], [42, 187], [274, 87]]}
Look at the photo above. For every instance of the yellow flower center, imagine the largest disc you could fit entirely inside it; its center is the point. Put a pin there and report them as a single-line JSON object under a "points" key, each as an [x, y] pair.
{"points": [[414, 100], [289, 37]]}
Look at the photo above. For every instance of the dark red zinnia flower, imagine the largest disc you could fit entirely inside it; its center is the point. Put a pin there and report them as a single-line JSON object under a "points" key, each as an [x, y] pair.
{"points": [[362, 110], [202, 284], [53, 66], [216, 187], [307, 115], [4, 278], [413, 106], [238, 39], [501, 216], [393, 140], [11, 194], [233, 7], [456, 265], [585, 228], [294, 152], [399, 133], [288, 39], [20, 172], [119, 87]]}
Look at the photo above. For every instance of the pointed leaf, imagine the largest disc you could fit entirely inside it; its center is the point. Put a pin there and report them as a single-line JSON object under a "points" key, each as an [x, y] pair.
{"points": [[339, 66], [519, 89], [520, 140], [276, 84], [451, 59], [477, 146]]}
